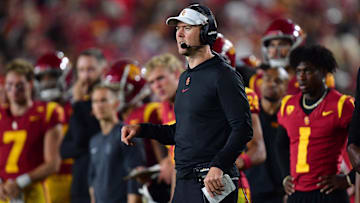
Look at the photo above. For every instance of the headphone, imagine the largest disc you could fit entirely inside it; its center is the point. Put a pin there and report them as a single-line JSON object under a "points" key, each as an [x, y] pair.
{"points": [[208, 32]]}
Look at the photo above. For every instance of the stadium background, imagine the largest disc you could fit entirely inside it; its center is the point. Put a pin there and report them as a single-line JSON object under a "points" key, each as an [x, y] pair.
{"points": [[136, 28]]}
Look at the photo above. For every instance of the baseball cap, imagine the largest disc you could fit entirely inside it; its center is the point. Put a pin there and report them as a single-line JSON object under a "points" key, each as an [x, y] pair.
{"points": [[188, 16]]}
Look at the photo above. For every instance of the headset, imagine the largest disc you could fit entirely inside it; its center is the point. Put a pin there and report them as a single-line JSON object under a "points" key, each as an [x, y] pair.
{"points": [[208, 32]]}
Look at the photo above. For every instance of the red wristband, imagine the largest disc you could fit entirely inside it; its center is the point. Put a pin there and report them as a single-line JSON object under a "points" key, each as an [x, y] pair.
{"points": [[247, 160]]}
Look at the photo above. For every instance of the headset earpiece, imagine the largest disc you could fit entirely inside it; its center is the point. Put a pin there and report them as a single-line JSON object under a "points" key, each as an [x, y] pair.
{"points": [[208, 31]]}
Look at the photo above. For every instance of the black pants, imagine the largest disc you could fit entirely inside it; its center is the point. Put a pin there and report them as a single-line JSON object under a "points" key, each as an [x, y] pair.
{"points": [[337, 196], [189, 191], [80, 199], [267, 198]]}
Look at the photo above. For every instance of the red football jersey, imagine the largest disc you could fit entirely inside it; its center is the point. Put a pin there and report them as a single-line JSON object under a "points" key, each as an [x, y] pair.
{"points": [[167, 113], [147, 113], [22, 137], [168, 118], [318, 139], [253, 100], [256, 81]]}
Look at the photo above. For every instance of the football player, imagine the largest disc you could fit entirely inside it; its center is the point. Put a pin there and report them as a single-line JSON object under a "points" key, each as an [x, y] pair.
{"points": [[280, 38], [314, 128], [162, 73], [51, 70], [30, 136], [255, 153]]}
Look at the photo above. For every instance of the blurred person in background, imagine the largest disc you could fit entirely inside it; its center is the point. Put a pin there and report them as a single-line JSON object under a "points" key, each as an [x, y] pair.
{"points": [[313, 131], [162, 73], [134, 108], [280, 38], [265, 179], [255, 153], [51, 70], [110, 159], [82, 125], [31, 133]]}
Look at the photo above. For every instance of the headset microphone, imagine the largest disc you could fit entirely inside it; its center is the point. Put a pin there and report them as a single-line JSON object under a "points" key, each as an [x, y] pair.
{"points": [[185, 46]]}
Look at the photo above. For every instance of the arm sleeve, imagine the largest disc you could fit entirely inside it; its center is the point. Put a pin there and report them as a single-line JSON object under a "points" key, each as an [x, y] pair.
{"points": [[68, 148], [54, 115], [233, 100], [163, 133], [282, 151], [354, 130]]}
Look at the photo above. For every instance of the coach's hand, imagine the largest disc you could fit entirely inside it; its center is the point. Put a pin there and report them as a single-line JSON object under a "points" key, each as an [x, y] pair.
{"points": [[213, 181], [288, 185], [330, 183], [128, 132]]}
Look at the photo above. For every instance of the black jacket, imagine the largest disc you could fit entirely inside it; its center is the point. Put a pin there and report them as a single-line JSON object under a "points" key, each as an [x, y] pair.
{"points": [[82, 126], [213, 119]]}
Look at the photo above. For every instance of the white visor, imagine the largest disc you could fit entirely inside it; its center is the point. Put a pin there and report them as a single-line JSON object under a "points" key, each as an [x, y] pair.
{"points": [[188, 16]]}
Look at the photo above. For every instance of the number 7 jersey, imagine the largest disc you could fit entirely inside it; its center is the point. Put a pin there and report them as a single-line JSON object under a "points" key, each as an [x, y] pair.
{"points": [[318, 139], [22, 137]]}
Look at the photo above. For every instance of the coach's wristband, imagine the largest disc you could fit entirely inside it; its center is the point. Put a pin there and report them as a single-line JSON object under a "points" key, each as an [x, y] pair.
{"points": [[247, 161], [23, 180]]}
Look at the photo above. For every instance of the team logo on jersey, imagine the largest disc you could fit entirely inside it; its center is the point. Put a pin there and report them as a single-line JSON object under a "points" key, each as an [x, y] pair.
{"points": [[326, 113], [306, 120], [289, 109]]}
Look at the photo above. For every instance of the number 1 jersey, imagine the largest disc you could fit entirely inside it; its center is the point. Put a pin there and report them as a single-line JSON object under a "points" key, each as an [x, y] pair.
{"points": [[318, 139]]}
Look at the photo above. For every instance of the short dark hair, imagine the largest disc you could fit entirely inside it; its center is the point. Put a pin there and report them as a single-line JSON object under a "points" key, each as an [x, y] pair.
{"points": [[94, 52], [21, 67], [317, 55]]}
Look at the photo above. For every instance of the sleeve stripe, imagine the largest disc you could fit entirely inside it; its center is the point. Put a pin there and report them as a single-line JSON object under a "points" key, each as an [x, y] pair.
{"points": [[341, 104], [49, 110], [283, 103], [149, 109], [252, 81]]}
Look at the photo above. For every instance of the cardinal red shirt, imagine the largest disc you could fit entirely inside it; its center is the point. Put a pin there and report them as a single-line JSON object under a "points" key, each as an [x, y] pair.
{"points": [[22, 137], [318, 139]]}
